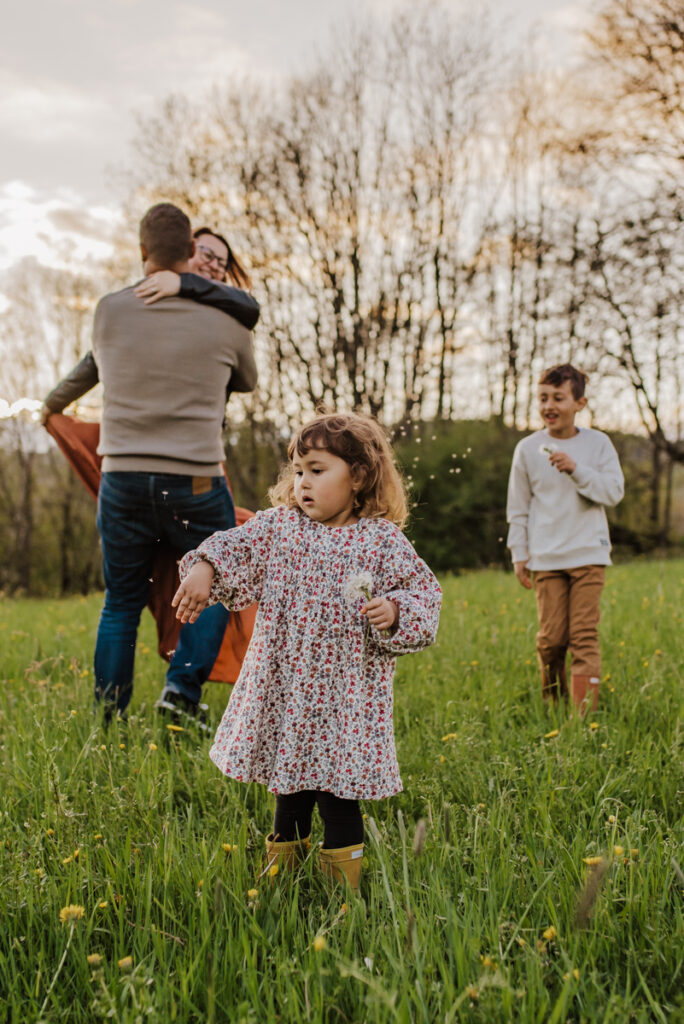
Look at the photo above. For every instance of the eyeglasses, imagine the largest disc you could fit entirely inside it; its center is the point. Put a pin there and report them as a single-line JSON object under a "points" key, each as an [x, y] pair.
{"points": [[209, 256]]}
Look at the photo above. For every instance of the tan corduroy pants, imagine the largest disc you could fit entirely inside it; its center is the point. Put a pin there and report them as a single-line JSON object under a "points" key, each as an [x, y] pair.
{"points": [[568, 606]]}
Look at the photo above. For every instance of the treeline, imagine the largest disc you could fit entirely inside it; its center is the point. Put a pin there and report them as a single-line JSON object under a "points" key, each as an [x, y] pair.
{"points": [[457, 473], [429, 219]]}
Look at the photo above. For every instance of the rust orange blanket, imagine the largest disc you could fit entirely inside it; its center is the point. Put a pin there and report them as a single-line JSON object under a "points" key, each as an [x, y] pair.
{"points": [[78, 441]]}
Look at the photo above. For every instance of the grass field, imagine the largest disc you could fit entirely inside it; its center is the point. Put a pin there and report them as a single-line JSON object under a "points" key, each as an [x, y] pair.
{"points": [[474, 922]]}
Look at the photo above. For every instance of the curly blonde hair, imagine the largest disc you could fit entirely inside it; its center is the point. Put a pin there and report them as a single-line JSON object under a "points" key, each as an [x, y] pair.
{"points": [[361, 442]]}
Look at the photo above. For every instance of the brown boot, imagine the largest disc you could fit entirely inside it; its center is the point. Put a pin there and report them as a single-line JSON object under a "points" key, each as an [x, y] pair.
{"points": [[343, 864], [585, 693], [285, 855]]}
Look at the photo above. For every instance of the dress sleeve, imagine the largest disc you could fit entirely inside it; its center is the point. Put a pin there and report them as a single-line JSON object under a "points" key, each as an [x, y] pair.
{"points": [[239, 558], [405, 579]]}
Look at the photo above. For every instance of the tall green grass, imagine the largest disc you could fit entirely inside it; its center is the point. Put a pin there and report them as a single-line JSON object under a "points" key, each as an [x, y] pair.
{"points": [[131, 824]]}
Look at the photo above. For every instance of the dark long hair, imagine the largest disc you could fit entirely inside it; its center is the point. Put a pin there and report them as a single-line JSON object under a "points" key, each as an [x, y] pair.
{"points": [[235, 271]]}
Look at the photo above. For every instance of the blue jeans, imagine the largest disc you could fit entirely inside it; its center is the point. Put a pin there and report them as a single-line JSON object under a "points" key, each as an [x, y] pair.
{"points": [[135, 513]]}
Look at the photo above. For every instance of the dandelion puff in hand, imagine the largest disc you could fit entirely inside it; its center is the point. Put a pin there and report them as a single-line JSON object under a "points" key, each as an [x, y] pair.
{"points": [[359, 586], [548, 448]]}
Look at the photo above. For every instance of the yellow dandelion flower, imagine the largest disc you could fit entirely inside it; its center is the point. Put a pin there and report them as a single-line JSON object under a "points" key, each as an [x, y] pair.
{"points": [[472, 992], [343, 908], [94, 959], [442, 759], [593, 726], [488, 962], [474, 663], [229, 847], [604, 746], [273, 870], [39, 872], [67, 860], [551, 735], [125, 963], [319, 943], [77, 854], [252, 893], [103, 904], [449, 736], [550, 933], [606, 677], [657, 652], [592, 861], [574, 973], [153, 746], [98, 835], [49, 832], [200, 884], [481, 807], [122, 746], [634, 853], [619, 851], [521, 942], [611, 818], [175, 728], [73, 912]]}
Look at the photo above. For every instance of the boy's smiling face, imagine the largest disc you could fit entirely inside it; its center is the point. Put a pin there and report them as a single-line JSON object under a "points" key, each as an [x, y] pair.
{"points": [[558, 407]]}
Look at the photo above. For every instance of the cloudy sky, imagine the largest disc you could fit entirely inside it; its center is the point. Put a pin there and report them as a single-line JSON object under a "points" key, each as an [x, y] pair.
{"points": [[74, 74]]}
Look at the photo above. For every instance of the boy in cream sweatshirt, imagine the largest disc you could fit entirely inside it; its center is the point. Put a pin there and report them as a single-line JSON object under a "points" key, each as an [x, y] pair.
{"points": [[562, 480]]}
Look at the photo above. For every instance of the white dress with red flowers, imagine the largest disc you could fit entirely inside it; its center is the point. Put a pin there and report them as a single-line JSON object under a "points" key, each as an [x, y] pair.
{"points": [[312, 707]]}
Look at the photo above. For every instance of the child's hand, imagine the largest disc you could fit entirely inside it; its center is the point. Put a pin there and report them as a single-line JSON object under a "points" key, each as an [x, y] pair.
{"points": [[381, 612], [159, 285], [562, 462], [192, 596], [523, 574]]}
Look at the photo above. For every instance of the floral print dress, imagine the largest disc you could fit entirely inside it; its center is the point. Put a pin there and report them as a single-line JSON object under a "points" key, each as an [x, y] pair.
{"points": [[312, 707]]}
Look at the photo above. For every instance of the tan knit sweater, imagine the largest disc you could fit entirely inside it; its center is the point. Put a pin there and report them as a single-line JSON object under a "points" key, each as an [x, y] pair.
{"points": [[164, 369]]}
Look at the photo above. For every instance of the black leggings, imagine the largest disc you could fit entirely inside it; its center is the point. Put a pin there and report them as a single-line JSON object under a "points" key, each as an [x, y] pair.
{"points": [[342, 821]]}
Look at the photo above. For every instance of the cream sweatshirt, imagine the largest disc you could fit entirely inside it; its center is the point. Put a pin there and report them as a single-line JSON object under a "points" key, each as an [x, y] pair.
{"points": [[558, 520]]}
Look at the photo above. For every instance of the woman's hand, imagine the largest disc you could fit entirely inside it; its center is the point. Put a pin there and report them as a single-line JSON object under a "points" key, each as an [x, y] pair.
{"points": [[159, 285], [381, 613], [192, 596]]}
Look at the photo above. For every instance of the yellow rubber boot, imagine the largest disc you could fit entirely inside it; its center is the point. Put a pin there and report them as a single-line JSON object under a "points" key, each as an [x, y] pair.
{"points": [[585, 693], [344, 864], [286, 855]]}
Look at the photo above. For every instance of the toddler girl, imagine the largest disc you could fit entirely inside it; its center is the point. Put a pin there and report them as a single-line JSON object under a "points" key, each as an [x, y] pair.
{"points": [[341, 593]]}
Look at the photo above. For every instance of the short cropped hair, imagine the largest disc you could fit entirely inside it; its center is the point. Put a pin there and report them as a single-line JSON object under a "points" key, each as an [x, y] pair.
{"points": [[166, 234], [557, 375], [361, 442]]}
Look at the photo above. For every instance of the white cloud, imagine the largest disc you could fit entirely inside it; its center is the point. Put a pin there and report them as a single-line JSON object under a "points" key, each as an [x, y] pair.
{"points": [[53, 229]]}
